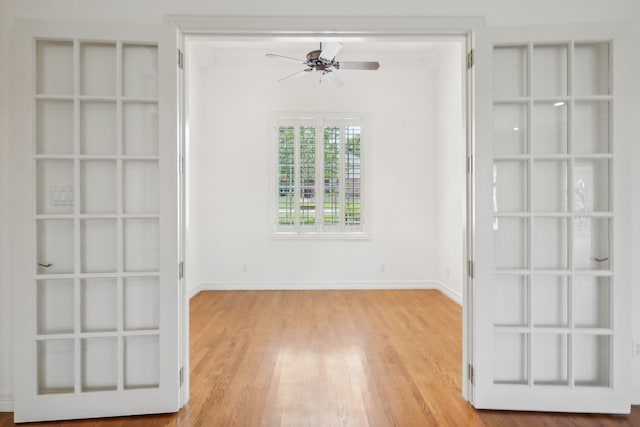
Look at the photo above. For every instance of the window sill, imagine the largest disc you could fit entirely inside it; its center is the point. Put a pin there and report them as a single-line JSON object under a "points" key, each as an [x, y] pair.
{"points": [[286, 235]]}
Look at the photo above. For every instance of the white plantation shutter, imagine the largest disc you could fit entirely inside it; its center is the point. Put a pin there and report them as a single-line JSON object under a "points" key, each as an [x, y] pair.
{"points": [[307, 173], [319, 176], [352, 180]]}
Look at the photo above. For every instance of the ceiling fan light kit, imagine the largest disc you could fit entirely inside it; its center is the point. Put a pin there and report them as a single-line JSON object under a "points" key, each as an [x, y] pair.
{"points": [[324, 61]]}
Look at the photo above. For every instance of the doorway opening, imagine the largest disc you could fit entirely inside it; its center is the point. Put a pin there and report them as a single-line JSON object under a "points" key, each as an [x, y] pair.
{"points": [[417, 183]]}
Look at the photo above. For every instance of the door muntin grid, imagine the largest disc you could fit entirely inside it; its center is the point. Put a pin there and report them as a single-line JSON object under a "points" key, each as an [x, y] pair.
{"points": [[96, 271], [553, 218]]}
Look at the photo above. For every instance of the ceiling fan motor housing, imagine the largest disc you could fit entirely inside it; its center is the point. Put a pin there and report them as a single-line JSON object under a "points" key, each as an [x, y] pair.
{"points": [[315, 61]]}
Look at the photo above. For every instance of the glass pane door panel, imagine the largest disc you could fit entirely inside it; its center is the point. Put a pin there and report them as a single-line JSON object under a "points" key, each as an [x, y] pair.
{"points": [[141, 362], [98, 186], [55, 186], [55, 246], [55, 366], [591, 363], [549, 192], [549, 128], [98, 134], [510, 243], [510, 178], [141, 245], [141, 193], [550, 244], [591, 186], [591, 127], [592, 301], [140, 124], [591, 243], [549, 77], [510, 129], [55, 306], [510, 358], [592, 59], [96, 167], [510, 72], [140, 71], [54, 127], [510, 300], [98, 304], [141, 303], [550, 359], [550, 305], [99, 245], [98, 69], [551, 312], [99, 364], [54, 72]]}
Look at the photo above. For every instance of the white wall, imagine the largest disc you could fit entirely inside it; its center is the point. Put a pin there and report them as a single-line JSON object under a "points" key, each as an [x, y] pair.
{"points": [[232, 172], [496, 12], [451, 173]]}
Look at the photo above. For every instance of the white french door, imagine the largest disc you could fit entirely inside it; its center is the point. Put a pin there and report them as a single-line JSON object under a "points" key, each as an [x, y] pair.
{"points": [[551, 291], [96, 285]]}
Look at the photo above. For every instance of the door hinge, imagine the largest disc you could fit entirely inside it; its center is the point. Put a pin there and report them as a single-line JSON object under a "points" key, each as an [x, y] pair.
{"points": [[470, 165], [471, 374], [181, 270], [181, 165], [181, 374], [470, 59], [470, 268], [180, 59]]}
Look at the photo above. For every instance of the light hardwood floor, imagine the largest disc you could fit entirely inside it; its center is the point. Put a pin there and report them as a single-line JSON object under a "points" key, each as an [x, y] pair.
{"points": [[331, 358]]}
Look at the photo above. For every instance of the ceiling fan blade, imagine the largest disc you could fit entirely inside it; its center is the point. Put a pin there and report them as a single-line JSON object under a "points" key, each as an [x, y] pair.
{"points": [[330, 50], [295, 75], [332, 78], [273, 55], [355, 65]]}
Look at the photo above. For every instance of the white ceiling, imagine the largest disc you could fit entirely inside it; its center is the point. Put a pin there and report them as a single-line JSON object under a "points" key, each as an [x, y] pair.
{"points": [[206, 51]]}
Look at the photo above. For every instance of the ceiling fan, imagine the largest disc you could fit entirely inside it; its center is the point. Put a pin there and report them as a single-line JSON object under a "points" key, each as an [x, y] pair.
{"points": [[324, 61]]}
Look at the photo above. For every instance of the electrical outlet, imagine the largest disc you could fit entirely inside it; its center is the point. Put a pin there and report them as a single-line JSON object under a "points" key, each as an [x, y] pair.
{"points": [[245, 267], [383, 268], [636, 349]]}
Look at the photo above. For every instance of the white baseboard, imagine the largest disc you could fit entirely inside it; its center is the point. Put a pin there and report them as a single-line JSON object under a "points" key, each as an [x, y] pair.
{"points": [[195, 291], [355, 285], [453, 294], [315, 285], [6, 402]]}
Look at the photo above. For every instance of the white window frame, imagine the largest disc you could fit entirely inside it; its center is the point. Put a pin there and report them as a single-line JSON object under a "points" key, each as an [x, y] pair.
{"points": [[320, 121]]}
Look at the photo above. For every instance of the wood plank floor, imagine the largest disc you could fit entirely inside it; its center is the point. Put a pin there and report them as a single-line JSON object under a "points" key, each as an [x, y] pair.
{"points": [[331, 358]]}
